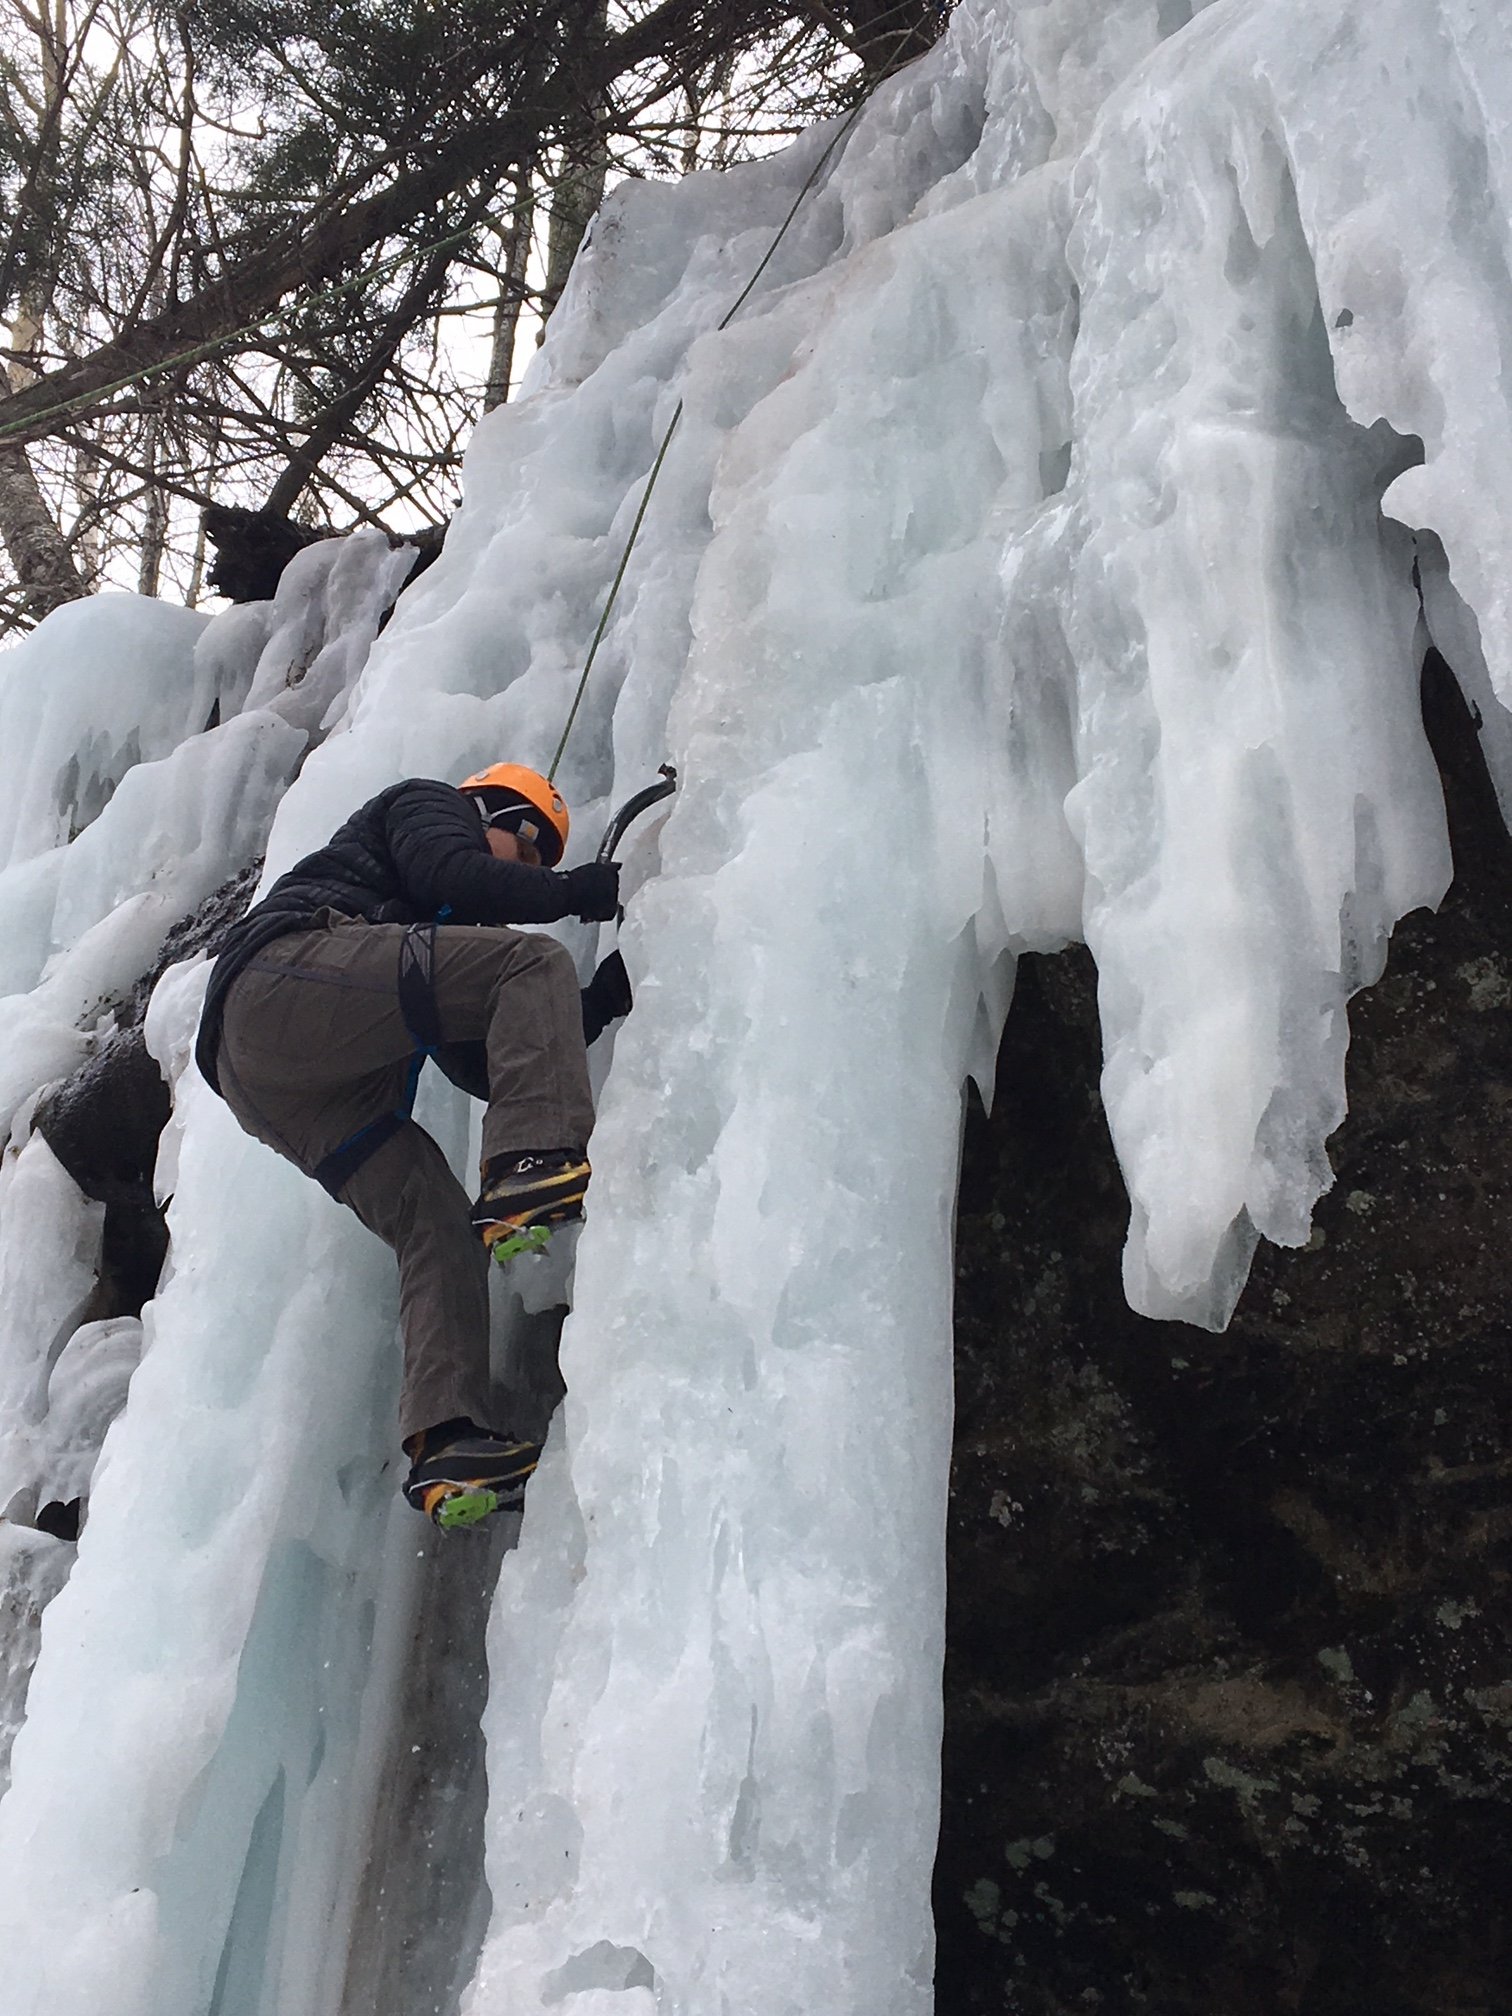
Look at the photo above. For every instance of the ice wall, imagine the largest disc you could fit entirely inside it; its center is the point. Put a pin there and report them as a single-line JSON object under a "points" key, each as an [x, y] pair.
{"points": [[1032, 561], [135, 811]]}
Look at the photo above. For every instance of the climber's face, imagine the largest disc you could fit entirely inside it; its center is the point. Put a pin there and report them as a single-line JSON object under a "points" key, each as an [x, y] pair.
{"points": [[507, 846]]}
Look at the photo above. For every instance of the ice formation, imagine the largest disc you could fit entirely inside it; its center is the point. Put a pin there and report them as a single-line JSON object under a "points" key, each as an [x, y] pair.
{"points": [[1034, 560]]}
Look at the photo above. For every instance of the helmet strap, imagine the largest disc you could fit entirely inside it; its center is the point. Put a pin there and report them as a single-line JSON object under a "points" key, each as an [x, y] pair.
{"points": [[513, 818]]}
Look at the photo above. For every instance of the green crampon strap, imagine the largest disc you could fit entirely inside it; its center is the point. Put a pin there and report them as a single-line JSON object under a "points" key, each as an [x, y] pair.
{"points": [[467, 1508], [535, 1239]]}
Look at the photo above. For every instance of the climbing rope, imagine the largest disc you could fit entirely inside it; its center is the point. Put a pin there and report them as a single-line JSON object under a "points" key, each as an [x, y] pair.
{"points": [[199, 353], [666, 441]]}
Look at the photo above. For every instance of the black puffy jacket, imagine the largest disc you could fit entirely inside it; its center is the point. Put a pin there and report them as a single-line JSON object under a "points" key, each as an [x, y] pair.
{"points": [[416, 851]]}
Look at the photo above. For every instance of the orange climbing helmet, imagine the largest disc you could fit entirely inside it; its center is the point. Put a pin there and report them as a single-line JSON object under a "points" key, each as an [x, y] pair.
{"points": [[510, 794]]}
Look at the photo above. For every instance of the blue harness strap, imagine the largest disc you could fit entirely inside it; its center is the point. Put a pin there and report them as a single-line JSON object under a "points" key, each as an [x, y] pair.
{"points": [[417, 1004], [334, 1171], [417, 987]]}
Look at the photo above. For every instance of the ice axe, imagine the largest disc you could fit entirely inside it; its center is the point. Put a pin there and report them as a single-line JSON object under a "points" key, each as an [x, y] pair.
{"points": [[618, 825], [632, 809]]}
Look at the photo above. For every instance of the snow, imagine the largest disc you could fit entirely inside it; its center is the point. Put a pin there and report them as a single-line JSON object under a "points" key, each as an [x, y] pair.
{"points": [[68, 735], [50, 1235], [87, 920], [322, 621], [33, 1568], [1033, 561]]}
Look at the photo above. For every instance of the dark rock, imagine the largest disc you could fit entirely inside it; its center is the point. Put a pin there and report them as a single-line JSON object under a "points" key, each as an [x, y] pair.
{"points": [[1229, 1680], [428, 542], [252, 548], [103, 1121], [206, 931], [103, 1125], [61, 1520]]}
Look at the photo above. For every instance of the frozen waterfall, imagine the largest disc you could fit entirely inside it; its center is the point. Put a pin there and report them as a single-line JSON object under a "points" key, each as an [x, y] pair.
{"points": [[1038, 558]]}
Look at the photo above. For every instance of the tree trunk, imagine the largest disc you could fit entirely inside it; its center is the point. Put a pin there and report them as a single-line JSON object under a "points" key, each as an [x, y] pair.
{"points": [[578, 193], [196, 585], [39, 554], [580, 186], [155, 518], [88, 545], [506, 319]]}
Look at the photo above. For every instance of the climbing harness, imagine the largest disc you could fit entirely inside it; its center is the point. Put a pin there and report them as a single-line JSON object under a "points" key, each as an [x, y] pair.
{"points": [[417, 949], [417, 1004]]}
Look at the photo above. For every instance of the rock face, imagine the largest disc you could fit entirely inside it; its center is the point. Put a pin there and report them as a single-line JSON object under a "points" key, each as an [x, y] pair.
{"points": [[253, 547], [252, 550], [103, 1122], [1229, 1680]]}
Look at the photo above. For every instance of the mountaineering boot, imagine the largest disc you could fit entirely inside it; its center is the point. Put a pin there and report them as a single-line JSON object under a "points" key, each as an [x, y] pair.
{"points": [[460, 1473], [524, 1195]]}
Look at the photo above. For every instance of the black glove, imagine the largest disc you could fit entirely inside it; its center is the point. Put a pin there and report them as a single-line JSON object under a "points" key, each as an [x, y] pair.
{"points": [[606, 997], [594, 890]]}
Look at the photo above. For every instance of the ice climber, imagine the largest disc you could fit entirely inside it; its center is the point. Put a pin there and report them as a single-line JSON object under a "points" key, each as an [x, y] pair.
{"points": [[393, 943]]}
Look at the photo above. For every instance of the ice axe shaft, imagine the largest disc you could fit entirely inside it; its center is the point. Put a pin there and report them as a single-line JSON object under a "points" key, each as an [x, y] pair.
{"points": [[633, 808]]}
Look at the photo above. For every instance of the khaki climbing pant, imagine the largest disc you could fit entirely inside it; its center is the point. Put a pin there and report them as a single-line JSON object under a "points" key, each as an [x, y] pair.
{"points": [[314, 1046]]}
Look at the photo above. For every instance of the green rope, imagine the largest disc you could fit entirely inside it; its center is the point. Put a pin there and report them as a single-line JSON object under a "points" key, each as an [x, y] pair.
{"points": [[198, 353], [661, 453], [614, 588]]}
